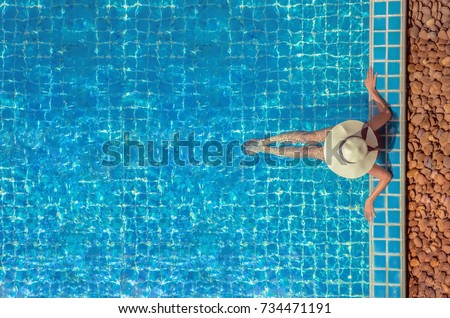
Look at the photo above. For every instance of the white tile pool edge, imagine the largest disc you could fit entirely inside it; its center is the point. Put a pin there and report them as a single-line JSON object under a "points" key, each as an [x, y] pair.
{"points": [[392, 286]]}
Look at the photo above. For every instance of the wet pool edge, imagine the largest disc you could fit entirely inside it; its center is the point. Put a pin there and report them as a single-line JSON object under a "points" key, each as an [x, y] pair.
{"points": [[387, 233]]}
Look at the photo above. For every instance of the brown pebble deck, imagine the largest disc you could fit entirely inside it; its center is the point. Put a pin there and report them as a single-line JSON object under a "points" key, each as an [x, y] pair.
{"points": [[428, 155]]}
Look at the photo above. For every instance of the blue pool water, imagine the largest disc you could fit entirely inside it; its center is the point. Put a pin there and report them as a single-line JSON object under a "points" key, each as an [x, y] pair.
{"points": [[77, 74]]}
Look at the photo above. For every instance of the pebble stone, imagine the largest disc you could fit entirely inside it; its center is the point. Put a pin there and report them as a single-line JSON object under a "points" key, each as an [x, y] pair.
{"points": [[428, 155]]}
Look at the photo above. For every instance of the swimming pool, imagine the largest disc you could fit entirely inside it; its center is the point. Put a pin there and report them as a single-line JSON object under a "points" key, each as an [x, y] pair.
{"points": [[78, 74]]}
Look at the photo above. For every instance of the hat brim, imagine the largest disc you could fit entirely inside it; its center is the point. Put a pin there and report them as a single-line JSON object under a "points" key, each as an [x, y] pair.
{"points": [[331, 145]]}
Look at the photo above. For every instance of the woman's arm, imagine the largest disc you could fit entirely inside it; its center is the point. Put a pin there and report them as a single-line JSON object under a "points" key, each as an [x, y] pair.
{"points": [[384, 115], [371, 82], [384, 178]]}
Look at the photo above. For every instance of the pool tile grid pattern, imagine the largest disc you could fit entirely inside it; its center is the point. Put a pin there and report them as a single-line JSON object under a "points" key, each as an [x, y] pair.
{"points": [[71, 228], [387, 55]]}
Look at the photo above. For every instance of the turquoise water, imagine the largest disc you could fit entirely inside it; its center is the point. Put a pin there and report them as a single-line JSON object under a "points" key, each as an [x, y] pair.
{"points": [[77, 74]]}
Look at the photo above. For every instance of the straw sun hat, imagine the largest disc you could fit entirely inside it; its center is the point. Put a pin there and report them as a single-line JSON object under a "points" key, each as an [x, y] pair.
{"points": [[350, 149]]}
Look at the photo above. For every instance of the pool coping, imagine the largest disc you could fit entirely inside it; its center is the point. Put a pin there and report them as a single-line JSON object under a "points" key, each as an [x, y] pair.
{"points": [[387, 54]]}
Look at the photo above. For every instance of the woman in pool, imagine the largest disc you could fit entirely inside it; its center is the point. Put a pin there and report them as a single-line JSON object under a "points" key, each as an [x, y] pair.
{"points": [[349, 149]]}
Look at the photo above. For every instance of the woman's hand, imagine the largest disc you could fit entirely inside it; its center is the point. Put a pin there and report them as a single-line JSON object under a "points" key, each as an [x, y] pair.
{"points": [[371, 80], [369, 211]]}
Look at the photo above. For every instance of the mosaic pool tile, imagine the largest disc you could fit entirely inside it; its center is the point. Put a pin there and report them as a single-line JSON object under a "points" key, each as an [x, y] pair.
{"points": [[387, 235], [75, 75]]}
